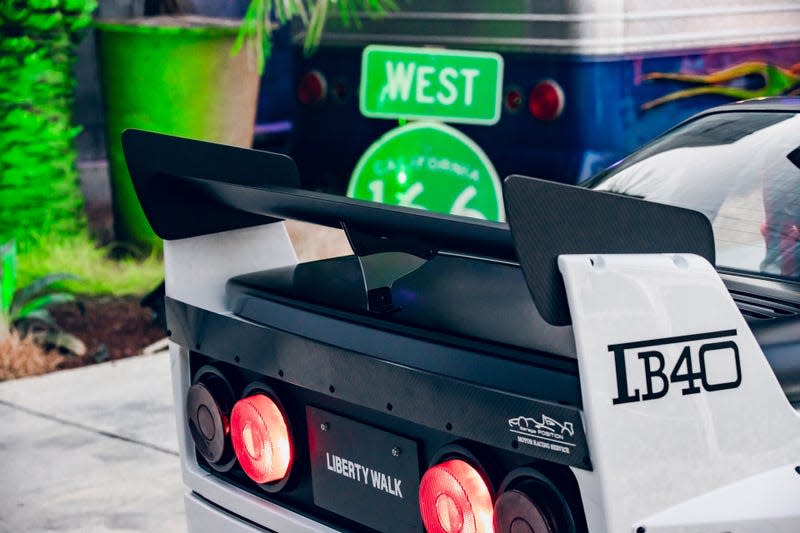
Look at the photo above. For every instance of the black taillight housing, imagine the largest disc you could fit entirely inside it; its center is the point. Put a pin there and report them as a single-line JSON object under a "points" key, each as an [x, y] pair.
{"points": [[529, 501], [209, 402]]}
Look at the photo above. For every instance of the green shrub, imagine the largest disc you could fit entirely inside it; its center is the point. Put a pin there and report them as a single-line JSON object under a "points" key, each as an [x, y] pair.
{"points": [[97, 273]]}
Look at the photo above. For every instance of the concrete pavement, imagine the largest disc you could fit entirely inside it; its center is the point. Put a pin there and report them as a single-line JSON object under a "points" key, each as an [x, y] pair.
{"points": [[91, 449]]}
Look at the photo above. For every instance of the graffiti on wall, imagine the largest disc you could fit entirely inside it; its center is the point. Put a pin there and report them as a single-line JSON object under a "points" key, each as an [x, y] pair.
{"points": [[752, 79]]}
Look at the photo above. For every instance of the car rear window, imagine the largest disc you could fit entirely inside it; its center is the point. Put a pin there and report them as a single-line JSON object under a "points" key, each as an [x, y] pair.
{"points": [[742, 170]]}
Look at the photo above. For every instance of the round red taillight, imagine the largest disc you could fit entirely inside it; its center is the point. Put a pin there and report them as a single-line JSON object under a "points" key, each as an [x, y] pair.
{"points": [[261, 439], [546, 101], [454, 498], [312, 89]]}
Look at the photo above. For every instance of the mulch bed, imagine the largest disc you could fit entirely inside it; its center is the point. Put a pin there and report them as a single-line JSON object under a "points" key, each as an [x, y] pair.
{"points": [[111, 328]]}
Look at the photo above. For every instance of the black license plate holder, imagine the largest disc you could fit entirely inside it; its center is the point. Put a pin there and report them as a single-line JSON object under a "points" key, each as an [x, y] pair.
{"points": [[364, 473]]}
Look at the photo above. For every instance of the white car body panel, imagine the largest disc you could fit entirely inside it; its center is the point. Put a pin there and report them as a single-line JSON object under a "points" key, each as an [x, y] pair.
{"points": [[743, 507], [196, 269], [649, 456]]}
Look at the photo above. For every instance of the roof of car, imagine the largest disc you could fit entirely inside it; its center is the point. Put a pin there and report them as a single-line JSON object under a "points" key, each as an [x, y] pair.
{"points": [[773, 103]]}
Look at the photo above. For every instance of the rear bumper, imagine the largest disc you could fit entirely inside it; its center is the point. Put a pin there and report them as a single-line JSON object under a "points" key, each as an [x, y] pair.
{"points": [[202, 517]]}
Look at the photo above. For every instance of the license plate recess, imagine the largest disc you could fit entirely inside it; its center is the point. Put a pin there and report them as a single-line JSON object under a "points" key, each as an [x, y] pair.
{"points": [[363, 473]]}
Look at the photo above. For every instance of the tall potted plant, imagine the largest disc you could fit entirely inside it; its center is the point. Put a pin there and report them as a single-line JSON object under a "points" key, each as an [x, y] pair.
{"points": [[39, 191], [194, 76]]}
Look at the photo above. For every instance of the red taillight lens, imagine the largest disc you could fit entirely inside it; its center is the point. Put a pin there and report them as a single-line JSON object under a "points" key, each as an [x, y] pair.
{"points": [[312, 88], [454, 498], [261, 439], [546, 101]]}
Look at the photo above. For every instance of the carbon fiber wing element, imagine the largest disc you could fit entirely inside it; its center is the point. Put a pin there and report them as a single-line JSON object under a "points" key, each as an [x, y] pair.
{"points": [[189, 188], [550, 219]]}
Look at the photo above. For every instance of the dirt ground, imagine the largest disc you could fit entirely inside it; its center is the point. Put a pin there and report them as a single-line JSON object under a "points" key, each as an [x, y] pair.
{"points": [[111, 328]]}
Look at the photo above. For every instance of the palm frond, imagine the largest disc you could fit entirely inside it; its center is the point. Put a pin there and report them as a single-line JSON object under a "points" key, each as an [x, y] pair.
{"points": [[319, 16], [263, 16], [346, 15]]}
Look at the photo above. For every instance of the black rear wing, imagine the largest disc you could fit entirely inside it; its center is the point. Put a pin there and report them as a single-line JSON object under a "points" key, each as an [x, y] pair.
{"points": [[189, 188]]}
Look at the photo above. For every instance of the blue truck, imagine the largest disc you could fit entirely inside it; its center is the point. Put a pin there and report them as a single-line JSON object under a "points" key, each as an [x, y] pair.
{"points": [[584, 83]]}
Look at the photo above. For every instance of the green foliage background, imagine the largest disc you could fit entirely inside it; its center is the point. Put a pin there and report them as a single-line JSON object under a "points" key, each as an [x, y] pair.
{"points": [[39, 190]]}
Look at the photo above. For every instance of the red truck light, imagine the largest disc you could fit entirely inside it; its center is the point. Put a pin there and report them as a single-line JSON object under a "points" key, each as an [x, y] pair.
{"points": [[546, 101], [313, 88], [261, 439], [454, 498], [513, 99]]}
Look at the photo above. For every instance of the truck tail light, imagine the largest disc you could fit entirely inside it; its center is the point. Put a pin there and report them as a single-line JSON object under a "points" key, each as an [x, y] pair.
{"points": [[546, 101], [261, 440], [208, 408], [513, 99], [313, 88], [455, 498]]}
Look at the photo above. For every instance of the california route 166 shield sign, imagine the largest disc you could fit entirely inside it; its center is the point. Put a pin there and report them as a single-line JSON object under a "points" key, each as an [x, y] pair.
{"points": [[432, 166]]}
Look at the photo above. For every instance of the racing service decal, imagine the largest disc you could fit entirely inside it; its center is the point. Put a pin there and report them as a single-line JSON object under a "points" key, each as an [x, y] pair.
{"points": [[703, 362], [546, 433]]}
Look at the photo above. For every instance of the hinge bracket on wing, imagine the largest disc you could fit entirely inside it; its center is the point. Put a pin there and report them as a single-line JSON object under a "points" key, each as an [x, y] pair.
{"points": [[384, 260]]}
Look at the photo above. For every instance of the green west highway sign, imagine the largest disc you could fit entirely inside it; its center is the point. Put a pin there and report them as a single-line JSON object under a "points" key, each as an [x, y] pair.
{"points": [[430, 83]]}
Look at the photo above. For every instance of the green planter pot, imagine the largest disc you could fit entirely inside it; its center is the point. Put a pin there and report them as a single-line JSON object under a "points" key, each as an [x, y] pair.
{"points": [[173, 75]]}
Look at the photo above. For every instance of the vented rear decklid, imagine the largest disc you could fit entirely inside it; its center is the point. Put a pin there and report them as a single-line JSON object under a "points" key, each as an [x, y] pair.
{"points": [[550, 219]]}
